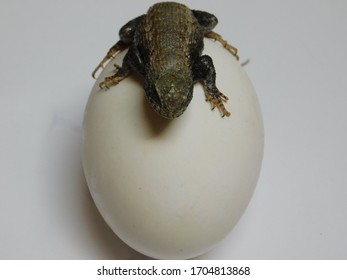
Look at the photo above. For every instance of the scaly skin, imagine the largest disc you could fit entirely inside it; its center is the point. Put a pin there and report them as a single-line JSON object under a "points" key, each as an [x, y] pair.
{"points": [[165, 47]]}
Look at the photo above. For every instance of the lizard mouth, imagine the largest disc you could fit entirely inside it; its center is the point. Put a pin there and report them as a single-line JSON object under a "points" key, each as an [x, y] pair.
{"points": [[168, 114], [165, 111]]}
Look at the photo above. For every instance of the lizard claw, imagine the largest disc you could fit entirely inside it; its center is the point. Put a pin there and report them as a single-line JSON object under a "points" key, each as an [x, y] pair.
{"points": [[103, 85], [101, 64], [111, 81], [96, 70], [217, 101], [225, 44]]}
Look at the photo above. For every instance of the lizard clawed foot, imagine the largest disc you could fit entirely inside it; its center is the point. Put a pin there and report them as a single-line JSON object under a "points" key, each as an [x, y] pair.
{"points": [[110, 81], [225, 44], [217, 101], [97, 69], [101, 65], [231, 49]]}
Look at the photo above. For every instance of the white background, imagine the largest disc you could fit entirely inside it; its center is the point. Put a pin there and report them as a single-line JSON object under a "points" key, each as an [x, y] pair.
{"points": [[298, 53]]}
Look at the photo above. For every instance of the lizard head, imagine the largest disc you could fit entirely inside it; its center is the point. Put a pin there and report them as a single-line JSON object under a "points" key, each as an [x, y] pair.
{"points": [[171, 94]]}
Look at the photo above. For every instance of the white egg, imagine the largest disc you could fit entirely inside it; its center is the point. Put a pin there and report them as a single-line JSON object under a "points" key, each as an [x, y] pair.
{"points": [[173, 189]]}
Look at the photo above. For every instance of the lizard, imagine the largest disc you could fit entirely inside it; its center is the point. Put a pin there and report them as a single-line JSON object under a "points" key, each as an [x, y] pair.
{"points": [[165, 47]]}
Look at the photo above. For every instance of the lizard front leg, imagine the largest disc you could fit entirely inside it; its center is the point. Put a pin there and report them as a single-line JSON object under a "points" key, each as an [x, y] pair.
{"points": [[114, 79], [204, 71], [119, 46], [217, 37], [126, 34], [131, 62]]}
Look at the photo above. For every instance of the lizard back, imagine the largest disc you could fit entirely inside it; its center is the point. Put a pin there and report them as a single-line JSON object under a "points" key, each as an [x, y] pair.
{"points": [[169, 34]]}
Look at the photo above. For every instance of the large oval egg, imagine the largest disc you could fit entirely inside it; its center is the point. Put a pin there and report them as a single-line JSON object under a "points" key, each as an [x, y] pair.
{"points": [[173, 189]]}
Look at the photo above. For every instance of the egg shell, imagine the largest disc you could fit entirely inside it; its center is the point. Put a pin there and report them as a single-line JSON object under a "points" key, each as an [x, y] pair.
{"points": [[173, 189]]}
